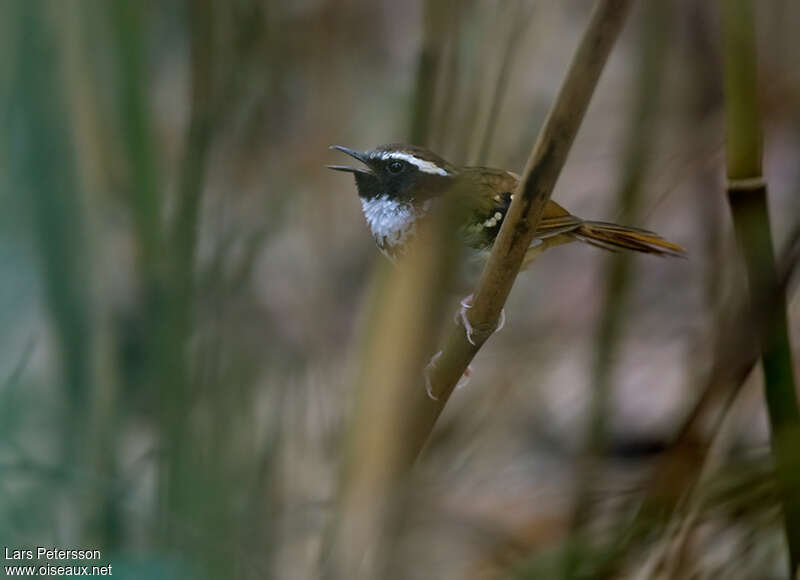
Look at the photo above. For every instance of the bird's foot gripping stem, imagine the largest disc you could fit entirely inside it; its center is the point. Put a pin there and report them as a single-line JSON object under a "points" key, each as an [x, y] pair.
{"points": [[430, 368], [461, 318]]}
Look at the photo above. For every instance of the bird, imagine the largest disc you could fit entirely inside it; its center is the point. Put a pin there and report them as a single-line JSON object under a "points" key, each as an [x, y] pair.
{"points": [[399, 184]]}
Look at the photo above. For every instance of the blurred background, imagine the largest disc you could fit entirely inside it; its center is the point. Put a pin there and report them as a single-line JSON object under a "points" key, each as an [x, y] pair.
{"points": [[182, 288]]}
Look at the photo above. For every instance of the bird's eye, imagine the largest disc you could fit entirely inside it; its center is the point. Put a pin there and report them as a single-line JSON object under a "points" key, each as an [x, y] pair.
{"points": [[396, 167]]}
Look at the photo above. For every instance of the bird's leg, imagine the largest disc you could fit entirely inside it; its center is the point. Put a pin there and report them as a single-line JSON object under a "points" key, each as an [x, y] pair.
{"points": [[461, 317], [429, 369]]}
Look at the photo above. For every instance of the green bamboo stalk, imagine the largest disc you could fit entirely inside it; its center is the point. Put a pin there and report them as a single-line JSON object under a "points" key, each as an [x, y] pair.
{"points": [[181, 457], [47, 174], [747, 195], [736, 354], [144, 199]]}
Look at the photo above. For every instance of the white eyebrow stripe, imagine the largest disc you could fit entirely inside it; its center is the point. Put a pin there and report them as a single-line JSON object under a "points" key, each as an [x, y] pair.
{"points": [[421, 164]]}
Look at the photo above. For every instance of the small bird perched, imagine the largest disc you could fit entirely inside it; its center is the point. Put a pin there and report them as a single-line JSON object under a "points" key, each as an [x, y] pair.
{"points": [[400, 182]]}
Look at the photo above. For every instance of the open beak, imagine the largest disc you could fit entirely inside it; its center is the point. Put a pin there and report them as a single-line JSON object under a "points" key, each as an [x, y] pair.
{"points": [[362, 157]]}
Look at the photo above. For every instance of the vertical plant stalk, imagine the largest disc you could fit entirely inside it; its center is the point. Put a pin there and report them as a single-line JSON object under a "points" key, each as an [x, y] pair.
{"points": [[521, 18], [144, 195], [639, 144], [428, 66], [104, 513], [403, 315], [457, 133], [445, 105], [46, 172], [167, 251], [747, 195], [181, 460], [162, 351]]}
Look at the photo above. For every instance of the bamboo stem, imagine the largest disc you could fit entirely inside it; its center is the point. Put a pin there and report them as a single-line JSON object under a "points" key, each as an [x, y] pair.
{"points": [[736, 353], [747, 195], [542, 169]]}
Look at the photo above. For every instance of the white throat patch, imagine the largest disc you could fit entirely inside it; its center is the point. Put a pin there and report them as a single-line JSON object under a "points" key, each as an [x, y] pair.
{"points": [[421, 164], [390, 221]]}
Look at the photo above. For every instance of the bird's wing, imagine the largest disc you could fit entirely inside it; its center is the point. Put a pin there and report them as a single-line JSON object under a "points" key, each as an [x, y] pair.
{"points": [[500, 186]]}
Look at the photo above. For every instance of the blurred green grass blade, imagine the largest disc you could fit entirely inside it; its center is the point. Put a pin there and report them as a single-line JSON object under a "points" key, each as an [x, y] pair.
{"points": [[47, 175], [127, 21]]}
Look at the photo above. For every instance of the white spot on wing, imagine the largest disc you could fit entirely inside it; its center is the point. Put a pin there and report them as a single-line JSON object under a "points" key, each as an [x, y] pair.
{"points": [[422, 164]]}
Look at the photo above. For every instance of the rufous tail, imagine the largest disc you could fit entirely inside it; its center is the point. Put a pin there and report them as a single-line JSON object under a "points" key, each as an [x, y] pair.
{"points": [[615, 237]]}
